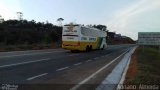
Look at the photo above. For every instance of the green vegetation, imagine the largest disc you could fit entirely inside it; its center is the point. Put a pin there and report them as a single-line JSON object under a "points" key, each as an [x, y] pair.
{"points": [[23, 34], [148, 65]]}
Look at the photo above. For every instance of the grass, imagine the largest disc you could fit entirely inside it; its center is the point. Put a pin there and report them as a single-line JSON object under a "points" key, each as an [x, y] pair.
{"points": [[144, 67]]}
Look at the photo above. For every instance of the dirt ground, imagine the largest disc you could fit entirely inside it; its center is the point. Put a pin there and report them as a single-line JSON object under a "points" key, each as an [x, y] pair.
{"points": [[132, 70]]}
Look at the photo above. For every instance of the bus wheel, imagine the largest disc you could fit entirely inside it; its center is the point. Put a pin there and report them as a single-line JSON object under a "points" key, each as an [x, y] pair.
{"points": [[90, 48], [87, 48], [74, 51], [103, 47]]}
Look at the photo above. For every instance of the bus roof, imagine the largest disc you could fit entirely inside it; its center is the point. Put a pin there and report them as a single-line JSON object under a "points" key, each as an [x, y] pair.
{"points": [[72, 25]]}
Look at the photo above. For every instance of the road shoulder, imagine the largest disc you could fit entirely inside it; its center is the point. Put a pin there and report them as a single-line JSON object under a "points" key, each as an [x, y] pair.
{"points": [[118, 73]]}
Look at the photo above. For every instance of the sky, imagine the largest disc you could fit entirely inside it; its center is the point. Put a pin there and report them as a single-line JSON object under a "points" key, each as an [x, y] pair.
{"points": [[127, 17]]}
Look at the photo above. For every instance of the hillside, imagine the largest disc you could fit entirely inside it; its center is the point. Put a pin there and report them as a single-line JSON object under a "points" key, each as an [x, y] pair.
{"points": [[26, 35]]}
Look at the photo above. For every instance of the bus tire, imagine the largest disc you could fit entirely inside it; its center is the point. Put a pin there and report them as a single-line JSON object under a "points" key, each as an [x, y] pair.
{"points": [[103, 47], [87, 48], [90, 48], [74, 51]]}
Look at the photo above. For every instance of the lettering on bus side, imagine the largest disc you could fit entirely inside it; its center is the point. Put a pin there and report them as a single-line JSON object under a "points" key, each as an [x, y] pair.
{"points": [[92, 39], [83, 38], [70, 37]]}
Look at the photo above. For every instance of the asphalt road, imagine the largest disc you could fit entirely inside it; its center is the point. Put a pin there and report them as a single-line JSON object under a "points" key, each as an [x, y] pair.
{"points": [[58, 68]]}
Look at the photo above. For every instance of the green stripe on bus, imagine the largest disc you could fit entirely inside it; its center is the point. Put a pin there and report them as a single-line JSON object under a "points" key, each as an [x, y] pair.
{"points": [[99, 42]]}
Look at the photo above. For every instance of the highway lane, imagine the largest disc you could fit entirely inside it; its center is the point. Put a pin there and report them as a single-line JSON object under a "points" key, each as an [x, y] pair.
{"points": [[21, 57], [7, 58], [55, 65], [29, 52]]}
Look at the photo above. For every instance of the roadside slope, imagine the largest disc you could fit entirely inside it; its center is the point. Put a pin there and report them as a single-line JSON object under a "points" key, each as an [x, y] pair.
{"points": [[144, 67]]}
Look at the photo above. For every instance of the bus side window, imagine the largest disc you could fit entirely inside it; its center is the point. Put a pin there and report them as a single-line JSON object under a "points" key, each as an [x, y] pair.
{"points": [[82, 30]]}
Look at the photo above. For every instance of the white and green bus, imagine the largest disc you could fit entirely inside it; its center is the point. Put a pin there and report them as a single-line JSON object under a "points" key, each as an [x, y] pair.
{"points": [[82, 38]]}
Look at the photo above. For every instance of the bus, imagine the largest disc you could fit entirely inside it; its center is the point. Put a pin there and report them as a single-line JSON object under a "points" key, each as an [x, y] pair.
{"points": [[82, 38]]}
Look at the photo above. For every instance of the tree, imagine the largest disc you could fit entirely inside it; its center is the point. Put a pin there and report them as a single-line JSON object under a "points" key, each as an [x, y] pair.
{"points": [[60, 21], [1, 19], [19, 32], [101, 27]]}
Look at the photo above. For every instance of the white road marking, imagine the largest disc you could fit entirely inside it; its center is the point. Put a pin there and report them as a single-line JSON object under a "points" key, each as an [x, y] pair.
{"points": [[96, 58], [88, 60], [102, 56], [77, 64], [62, 69], [107, 55], [35, 50], [74, 55], [15, 64], [94, 74], [23, 55], [37, 76]]}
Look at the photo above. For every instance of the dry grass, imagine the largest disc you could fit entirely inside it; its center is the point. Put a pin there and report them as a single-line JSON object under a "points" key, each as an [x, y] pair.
{"points": [[144, 67]]}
